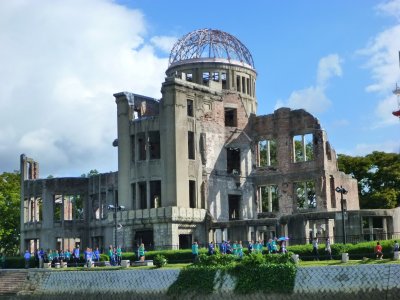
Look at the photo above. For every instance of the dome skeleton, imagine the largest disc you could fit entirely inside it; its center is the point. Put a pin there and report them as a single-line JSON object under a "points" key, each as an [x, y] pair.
{"points": [[209, 43]]}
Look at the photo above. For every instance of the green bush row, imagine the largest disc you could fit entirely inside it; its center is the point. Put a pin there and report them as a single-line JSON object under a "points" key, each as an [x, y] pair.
{"points": [[253, 273], [356, 251]]}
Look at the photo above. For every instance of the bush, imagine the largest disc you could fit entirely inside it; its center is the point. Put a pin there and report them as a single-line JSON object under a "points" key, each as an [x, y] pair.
{"points": [[159, 261]]}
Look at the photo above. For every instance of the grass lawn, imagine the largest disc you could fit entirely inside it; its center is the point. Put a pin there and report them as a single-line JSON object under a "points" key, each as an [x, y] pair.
{"points": [[349, 263]]}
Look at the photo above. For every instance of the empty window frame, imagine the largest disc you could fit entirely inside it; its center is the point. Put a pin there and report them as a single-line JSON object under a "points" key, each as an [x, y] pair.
{"points": [[238, 88], [248, 86], [269, 198], [190, 108], [75, 206], [155, 193], [303, 148], [141, 145], [230, 117], [333, 191], [58, 207], [243, 85], [133, 147], [142, 195], [233, 161], [189, 77], [192, 194], [267, 153], [154, 144], [206, 77], [191, 146], [223, 80], [234, 207], [215, 76], [304, 193]]}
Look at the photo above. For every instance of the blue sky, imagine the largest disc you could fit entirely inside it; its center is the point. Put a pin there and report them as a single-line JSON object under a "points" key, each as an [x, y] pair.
{"points": [[62, 62]]}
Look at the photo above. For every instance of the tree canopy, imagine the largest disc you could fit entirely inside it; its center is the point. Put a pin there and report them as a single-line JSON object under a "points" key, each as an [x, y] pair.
{"points": [[9, 212], [378, 176]]}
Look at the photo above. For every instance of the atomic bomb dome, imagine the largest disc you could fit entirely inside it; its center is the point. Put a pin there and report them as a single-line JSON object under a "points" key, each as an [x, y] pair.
{"points": [[210, 45]]}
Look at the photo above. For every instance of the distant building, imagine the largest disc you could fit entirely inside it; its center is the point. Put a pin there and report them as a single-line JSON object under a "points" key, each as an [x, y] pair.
{"points": [[198, 164]]}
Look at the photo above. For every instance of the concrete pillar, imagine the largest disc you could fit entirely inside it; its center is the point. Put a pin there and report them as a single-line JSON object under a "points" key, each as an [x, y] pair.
{"points": [[371, 228], [269, 198]]}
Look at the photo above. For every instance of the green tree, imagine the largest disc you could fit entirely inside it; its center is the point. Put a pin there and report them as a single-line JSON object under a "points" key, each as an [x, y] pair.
{"points": [[9, 212], [378, 176], [91, 173]]}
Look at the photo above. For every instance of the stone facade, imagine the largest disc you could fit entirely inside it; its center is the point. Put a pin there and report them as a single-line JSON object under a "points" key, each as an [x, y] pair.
{"points": [[197, 164]]}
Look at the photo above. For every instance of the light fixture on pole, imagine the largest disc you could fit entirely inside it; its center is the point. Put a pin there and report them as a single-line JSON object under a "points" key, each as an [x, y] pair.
{"points": [[117, 226], [343, 206]]}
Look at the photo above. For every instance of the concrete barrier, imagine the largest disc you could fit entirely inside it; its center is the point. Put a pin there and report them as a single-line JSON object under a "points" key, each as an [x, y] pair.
{"points": [[139, 263], [125, 263], [396, 255], [295, 258], [345, 257], [47, 265]]}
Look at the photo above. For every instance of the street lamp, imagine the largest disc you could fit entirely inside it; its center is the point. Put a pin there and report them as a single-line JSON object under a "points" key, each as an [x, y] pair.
{"points": [[343, 206], [115, 208]]}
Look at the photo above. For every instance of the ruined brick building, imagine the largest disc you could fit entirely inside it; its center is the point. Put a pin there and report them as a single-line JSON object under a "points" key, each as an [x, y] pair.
{"points": [[198, 164]]}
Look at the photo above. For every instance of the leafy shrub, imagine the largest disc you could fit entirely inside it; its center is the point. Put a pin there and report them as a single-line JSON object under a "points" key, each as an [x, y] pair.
{"points": [[220, 260], [159, 261]]}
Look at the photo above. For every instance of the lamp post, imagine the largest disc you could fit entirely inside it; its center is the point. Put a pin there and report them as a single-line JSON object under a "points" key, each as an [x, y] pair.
{"points": [[343, 206], [115, 208]]}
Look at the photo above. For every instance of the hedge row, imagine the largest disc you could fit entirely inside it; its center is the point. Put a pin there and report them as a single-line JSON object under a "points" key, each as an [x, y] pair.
{"points": [[254, 273], [356, 251]]}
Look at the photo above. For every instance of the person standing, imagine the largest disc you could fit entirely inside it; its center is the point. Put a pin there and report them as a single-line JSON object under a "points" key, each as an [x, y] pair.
{"points": [[240, 249], [41, 257], [141, 252], [222, 247], [378, 251], [119, 255], [250, 247], [328, 247], [96, 255], [211, 248], [27, 257], [111, 255], [75, 255], [195, 251], [315, 248]]}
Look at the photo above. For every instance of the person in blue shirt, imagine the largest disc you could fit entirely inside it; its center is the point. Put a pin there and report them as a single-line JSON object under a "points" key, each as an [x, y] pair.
{"points": [[27, 257], [210, 248], [88, 257], [67, 255], [228, 247], [96, 255], [41, 257], [250, 246], [222, 247], [195, 251], [75, 255]]}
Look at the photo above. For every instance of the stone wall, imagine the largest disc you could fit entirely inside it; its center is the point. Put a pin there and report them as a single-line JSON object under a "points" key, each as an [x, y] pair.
{"points": [[328, 282]]}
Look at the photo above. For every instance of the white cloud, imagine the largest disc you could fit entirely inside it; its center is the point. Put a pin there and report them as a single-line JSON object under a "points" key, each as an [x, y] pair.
{"points": [[383, 62], [61, 62], [313, 98], [328, 67], [165, 43], [388, 146]]}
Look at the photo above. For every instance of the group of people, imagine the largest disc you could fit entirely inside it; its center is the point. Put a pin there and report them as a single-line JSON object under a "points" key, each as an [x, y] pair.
{"points": [[59, 256], [315, 245], [236, 248]]}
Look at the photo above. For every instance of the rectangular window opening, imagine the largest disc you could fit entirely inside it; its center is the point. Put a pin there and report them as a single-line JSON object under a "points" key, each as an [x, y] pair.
{"points": [[268, 153], [133, 147], [58, 203], [305, 195], [154, 144], [233, 161], [155, 194], [206, 77], [234, 207], [191, 146], [215, 76], [223, 80], [238, 83], [269, 198], [142, 194], [230, 117], [189, 77], [190, 108], [142, 146], [303, 148], [243, 85], [192, 194], [333, 192]]}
